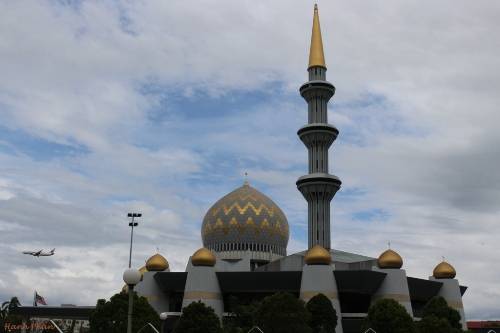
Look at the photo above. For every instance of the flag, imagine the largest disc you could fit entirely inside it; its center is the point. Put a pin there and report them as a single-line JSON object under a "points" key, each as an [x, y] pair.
{"points": [[39, 299]]}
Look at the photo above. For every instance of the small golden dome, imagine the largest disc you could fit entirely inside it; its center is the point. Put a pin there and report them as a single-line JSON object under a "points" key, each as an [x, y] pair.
{"points": [[157, 263], [318, 255], [203, 257], [444, 271], [390, 259]]}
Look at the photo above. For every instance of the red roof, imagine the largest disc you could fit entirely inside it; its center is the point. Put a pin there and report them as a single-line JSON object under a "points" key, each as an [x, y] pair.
{"points": [[484, 324]]}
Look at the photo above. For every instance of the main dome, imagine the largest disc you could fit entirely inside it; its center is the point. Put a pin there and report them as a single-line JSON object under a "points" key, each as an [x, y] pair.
{"points": [[245, 220]]}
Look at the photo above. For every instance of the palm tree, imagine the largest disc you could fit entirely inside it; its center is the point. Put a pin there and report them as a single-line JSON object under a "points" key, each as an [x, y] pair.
{"points": [[8, 306]]}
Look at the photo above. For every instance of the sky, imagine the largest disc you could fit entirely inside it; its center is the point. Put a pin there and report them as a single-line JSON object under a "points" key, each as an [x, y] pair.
{"points": [[160, 107]]}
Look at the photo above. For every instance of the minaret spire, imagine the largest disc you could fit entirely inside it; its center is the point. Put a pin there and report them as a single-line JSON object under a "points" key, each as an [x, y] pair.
{"points": [[316, 54], [318, 187]]}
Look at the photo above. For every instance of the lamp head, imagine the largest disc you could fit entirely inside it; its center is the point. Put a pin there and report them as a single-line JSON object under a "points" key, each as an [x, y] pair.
{"points": [[131, 276]]}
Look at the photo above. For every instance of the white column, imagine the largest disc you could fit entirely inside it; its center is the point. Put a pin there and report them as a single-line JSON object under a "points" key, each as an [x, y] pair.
{"points": [[149, 288], [450, 291], [202, 285], [319, 279], [394, 286]]}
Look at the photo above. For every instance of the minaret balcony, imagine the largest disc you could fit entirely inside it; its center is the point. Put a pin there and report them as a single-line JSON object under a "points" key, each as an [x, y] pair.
{"points": [[317, 88], [318, 186], [318, 134]]}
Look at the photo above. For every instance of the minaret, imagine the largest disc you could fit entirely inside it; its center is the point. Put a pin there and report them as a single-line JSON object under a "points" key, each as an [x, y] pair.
{"points": [[318, 187]]}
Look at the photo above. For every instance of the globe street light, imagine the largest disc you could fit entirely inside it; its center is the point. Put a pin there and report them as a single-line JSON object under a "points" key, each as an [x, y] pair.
{"points": [[163, 318], [131, 277]]}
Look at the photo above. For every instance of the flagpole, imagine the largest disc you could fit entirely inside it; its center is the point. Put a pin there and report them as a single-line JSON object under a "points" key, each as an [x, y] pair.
{"points": [[34, 299]]}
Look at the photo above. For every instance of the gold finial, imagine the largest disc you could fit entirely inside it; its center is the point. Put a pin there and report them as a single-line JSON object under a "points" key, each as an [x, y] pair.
{"points": [[316, 55]]}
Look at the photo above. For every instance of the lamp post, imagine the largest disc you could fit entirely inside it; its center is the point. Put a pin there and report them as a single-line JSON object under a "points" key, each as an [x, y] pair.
{"points": [[132, 224], [163, 318], [131, 277]]}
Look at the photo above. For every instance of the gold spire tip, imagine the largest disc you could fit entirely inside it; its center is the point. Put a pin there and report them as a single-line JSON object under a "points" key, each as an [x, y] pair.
{"points": [[316, 54]]}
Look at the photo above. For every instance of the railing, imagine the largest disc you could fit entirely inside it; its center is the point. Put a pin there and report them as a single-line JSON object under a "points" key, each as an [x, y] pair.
{"points": [[148, 325]]}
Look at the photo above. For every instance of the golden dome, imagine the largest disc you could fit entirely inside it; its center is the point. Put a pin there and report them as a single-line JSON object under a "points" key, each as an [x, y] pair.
{"points": [[390, 259], [318, 255], [156, 263], [444, 271], [203, 257]]}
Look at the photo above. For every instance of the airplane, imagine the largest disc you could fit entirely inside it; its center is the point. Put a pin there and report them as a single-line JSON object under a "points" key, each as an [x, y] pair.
{"points": [[40, 253]]}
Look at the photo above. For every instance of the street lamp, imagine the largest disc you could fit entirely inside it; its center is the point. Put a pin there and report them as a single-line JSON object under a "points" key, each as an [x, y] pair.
{"points": [[131, 277], [132, 224], [163, 319]]}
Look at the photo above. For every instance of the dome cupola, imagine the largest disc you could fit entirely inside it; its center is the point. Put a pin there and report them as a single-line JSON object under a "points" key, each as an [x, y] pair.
{"points": [[318, 255], [390, 259], [203, 257], [156, 263], [444, 271]]}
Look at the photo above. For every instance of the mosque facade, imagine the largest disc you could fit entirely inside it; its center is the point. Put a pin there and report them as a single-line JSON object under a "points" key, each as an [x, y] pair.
{"points": [[245, 236]]}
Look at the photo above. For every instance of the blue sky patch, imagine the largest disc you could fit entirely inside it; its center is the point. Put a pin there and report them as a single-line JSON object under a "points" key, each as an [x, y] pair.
{"points": [[371, 215], [20, 142]]}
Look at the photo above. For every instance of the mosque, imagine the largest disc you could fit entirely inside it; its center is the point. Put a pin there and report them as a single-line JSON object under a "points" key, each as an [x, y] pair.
{"points": [[245, 236]]}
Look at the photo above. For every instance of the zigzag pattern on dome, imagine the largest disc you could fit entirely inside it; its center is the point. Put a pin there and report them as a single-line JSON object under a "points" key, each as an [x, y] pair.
{"points": [[278, 228], [243, 210]]}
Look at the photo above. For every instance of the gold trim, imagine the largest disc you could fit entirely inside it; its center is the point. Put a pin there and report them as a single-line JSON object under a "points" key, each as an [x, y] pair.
{"points": [[307, 295], [396, 297], [202, 295], [455, 304]]}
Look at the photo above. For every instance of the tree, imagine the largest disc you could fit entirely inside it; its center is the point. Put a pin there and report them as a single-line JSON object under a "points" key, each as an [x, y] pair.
{"points": [[5, 313], [198, 318], [388, 316], [282, 313], [8, 306], [111, 316], [242, 317], [323, 317], [433, 324], [438, 308]]}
